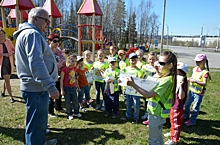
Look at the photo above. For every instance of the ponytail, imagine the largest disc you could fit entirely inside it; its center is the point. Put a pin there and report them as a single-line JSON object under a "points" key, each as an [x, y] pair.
{"points": [[207, 67]]}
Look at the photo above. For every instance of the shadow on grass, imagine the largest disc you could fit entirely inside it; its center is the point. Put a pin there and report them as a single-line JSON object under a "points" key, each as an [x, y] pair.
{"points": [[71, 136], [204, 128], [15, 133], [200, 141]]}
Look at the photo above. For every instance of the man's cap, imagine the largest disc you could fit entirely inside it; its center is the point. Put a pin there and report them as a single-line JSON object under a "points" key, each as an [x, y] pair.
{"points": [[133, 55], [182, 66], [200, 57]]}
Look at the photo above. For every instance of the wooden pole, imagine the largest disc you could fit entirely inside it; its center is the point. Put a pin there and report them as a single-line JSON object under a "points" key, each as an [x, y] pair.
{"points": [[93, 36], [21, 16], [79, 39], [17, 15], [3, 17], [61, 27], [87, 30]]}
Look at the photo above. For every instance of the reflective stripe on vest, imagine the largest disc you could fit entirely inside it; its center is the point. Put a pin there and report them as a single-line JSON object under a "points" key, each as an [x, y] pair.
{"points": [[152, 104], [195, 89]]}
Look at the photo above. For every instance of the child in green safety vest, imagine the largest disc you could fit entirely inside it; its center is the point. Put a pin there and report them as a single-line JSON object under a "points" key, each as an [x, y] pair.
{"points": [[198, 82], [112, 89], [161, 97], [99, 68]]}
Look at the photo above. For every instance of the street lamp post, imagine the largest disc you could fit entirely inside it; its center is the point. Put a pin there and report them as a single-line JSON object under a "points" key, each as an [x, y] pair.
{"points": [[217, 39], [164, 10]]}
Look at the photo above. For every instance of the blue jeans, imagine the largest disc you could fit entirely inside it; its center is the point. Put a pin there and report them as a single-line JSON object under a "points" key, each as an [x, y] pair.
{"points": [[98, 86], [71, 99], [84, 90], [37, 104], [132, 100], [155, 136], [197, 99]]}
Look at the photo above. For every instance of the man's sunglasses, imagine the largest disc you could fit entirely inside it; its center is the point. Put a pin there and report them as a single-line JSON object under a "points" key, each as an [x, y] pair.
{"points": [[56, 41], [46, 20], [163, 63]]}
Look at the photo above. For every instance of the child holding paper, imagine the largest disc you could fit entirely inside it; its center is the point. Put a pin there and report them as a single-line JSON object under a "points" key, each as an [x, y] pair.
{"points": [[131, 99], [100, 66], [161, 97], [112, 88]]}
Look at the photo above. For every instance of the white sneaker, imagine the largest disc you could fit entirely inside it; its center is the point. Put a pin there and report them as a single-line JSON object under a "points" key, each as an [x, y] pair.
{"points": [[103, 108], [83, 109], [53, 115], [70, 117], [51, 142], [78, 115], [145, 116], [47, 131], [170, 142], [167, 134]]}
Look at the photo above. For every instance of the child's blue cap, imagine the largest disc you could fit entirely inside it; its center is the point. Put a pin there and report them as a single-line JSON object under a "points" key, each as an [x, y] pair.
{"points": [[132, 55]]}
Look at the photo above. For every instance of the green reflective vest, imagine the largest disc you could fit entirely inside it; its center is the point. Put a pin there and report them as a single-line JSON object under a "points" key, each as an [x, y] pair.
{"points": [[199, 76]]}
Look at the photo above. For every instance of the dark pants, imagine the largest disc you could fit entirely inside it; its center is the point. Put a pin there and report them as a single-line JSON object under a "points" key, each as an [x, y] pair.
{"points": [[57, 101], [112, 104]]}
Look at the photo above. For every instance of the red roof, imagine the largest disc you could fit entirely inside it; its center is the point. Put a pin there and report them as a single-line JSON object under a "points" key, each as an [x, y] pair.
{"points": [[12, 14], [52, 9], [90, 7], [23, 4]]}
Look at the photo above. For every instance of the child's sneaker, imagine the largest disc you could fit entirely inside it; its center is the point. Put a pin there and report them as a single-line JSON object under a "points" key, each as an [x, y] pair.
{"points": [[91, 100], [83, 109], [97, 107], [167, 134], [170, 142], [103, 108], [125, 118], [189, 123], [114, 116], [145, 123], [107, 114], [145, 116], [70, 117], [78, 115]]}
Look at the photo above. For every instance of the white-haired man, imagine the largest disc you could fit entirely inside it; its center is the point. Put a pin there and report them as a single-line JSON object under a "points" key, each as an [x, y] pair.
{"points": [[37, 70]]}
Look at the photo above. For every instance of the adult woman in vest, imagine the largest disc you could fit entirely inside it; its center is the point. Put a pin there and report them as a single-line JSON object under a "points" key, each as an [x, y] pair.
{"points": [[6, 63]]}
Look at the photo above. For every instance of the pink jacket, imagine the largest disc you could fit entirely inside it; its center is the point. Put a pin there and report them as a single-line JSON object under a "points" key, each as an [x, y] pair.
{"points": [[11, 50]]}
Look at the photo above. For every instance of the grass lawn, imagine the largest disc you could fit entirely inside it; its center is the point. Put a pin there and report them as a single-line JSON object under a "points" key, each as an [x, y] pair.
{"points": [[94, 128]]}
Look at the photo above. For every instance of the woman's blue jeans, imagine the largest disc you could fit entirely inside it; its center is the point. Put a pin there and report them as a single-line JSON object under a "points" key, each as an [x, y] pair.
{"points": [[37, 104]]}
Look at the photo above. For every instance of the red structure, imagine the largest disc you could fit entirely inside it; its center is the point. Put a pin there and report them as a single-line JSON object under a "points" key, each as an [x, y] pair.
{"points": [[90, 8], [18, 5], [53, 10]]}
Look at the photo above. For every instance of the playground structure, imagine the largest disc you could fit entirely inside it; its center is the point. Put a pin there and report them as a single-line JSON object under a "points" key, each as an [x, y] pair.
{"points": [[89, 8]]}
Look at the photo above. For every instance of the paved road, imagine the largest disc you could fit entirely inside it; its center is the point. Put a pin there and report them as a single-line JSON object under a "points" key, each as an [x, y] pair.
{"points": [[187, 54]]}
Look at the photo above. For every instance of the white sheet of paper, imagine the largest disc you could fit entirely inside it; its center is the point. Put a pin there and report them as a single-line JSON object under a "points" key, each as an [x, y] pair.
{"points": [[89, 76], [145, 84], [123, 76]]}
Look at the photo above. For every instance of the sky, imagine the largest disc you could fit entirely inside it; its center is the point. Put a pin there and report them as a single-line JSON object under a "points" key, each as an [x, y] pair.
{"points": [[187, 17]]}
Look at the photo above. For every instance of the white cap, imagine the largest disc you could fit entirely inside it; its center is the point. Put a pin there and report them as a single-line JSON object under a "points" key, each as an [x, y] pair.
{"points": [[182, 66], [110, 59]]}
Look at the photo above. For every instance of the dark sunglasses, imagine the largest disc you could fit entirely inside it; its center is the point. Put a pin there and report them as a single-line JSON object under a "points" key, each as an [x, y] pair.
{"points": [[113, 62], [56, 41], [163, 63], [45, 19]]}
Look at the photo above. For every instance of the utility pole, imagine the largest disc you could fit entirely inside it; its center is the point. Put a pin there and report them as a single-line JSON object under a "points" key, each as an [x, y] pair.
{"points": [[167, 35], [217, 39], [164, 10]]}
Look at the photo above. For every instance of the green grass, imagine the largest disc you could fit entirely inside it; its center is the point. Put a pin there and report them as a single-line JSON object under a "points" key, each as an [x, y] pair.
{"points": [[94, 128]]}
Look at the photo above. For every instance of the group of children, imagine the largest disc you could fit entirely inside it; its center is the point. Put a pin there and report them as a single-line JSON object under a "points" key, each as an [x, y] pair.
{"points": [[166, 99]]}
